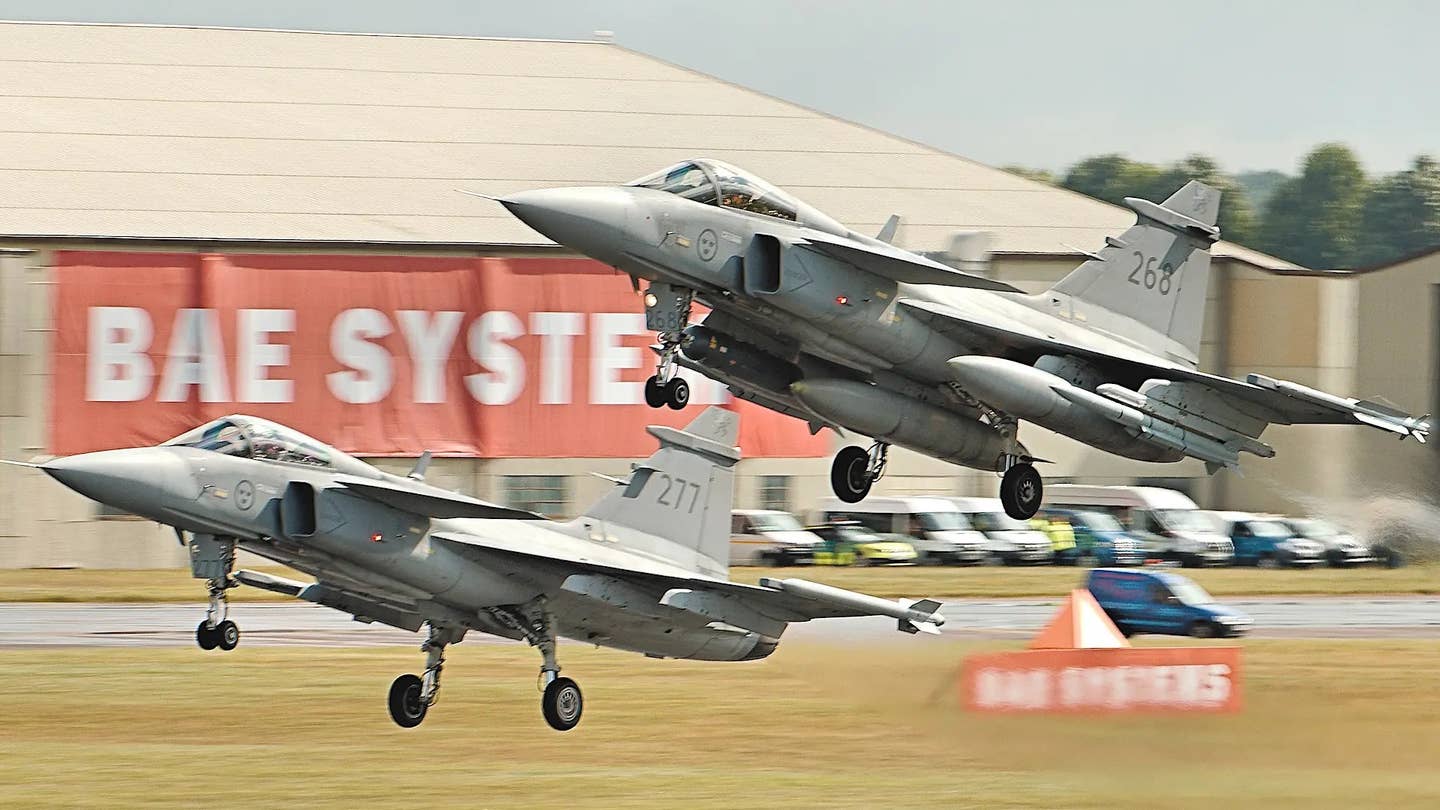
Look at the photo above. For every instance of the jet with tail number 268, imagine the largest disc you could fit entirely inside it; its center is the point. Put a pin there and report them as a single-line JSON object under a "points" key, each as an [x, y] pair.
{"points": [[644, 569], [842, 330]]}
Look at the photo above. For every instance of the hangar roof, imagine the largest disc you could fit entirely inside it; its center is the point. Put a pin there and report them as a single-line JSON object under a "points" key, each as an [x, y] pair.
{"points": [[177, 133]]}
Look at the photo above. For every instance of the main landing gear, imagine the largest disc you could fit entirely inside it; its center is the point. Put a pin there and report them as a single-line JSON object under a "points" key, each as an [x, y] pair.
{"points": [[1020, 488], [561, 703], [855, 469], [667, 311], [211, 559]]}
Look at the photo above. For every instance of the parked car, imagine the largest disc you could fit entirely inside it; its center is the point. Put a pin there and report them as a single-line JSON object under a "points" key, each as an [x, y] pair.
{"points": [[1099, 537], [1267, 542], [1007, 540], [1171, 523], [1162, 602], [934, 526], [846, 542], [769, 537], [1342, 550]]}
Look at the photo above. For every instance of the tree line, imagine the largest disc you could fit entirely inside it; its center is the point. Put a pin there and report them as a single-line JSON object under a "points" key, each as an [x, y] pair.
{"points": [[1331, 215]]}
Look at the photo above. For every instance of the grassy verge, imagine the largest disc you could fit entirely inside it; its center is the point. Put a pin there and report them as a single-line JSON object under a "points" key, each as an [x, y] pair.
{"points": [[174, 585], [1332, 724]]}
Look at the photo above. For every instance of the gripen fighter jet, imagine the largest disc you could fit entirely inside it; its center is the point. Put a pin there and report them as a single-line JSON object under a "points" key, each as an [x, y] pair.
{"points": [[643, 570], [844, 331]]}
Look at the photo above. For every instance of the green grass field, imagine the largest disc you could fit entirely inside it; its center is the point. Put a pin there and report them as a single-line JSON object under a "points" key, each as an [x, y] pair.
{"points": [[1327, 724], [175, 585]]}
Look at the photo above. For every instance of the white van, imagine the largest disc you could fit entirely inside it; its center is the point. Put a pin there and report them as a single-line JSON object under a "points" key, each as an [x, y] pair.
{"points": [[934, 526], [769, 537], [1007, 540], [1172, 524]]}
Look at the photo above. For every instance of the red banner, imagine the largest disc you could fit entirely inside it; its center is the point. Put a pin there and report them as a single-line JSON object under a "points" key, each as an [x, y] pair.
{"points": [[1144, 679], [378, 355]]}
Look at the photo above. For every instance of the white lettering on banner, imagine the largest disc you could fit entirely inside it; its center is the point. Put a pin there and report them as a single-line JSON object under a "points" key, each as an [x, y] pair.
{"points": [[556, 330], [117, 368], [609, 356], [256, 353], [196, 357], [1176, 686], [429, 340], [504, 378], [368, 375]]}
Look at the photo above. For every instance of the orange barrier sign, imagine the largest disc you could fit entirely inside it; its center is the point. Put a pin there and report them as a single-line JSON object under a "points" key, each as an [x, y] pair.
{"points": [[377, 355], [1156, 679]]}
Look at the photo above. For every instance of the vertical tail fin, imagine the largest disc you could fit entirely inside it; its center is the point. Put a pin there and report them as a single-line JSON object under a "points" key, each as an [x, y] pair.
{"points": [[683, 493], [1149, 284]]}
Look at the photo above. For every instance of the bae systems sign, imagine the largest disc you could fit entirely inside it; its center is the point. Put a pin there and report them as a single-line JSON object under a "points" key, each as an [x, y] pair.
{"points": [[376, 354], [1157, 679]]}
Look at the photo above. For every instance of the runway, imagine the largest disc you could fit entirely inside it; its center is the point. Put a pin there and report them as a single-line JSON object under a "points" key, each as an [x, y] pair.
{"points": [[304, 625]]}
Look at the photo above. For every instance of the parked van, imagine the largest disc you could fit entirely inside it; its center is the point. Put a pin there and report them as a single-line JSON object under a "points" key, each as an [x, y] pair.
{"points": [[769, 537], [1171, 523], [1099, 537], [1154, 601], [1267, 542], [1007, 540], [1342, 550], [936, 527]]}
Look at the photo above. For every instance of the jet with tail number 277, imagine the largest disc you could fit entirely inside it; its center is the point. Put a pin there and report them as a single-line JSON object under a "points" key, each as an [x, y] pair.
{"points": [[842, 330], [644, 569]]}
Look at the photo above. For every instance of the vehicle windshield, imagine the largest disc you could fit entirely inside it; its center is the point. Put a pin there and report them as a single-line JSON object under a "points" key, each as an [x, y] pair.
{"points": [[1184, 520], [1190, 593], [1315, 528], [698, 180], [777, 522], [1268, 528], [997, 522], [942, 521], [247, 437], [1098, 522]]}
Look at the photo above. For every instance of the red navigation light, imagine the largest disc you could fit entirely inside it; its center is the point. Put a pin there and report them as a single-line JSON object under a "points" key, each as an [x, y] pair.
{"points": [[842, 300], [376, 537]]}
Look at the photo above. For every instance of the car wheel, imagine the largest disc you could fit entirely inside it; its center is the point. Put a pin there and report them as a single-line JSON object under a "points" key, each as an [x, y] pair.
{"points": [[1202, 629]]}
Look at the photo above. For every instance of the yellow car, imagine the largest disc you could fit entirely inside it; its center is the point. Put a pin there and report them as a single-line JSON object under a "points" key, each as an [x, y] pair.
{"points": [[852, 544]]}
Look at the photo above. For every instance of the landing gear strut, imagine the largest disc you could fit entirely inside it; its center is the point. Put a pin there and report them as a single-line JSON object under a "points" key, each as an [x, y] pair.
{"points": [[667, 311], [411, 696], [560, 700], [1021, 488], [855, 469], [211, 559]]}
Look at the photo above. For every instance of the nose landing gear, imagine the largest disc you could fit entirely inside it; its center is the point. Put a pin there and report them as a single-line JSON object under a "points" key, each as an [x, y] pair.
{"points": [[211, 559], [667, 311]]}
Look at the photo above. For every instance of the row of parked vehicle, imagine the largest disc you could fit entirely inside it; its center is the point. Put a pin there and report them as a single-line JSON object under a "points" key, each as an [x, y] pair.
{"points": [[1078, 525]]}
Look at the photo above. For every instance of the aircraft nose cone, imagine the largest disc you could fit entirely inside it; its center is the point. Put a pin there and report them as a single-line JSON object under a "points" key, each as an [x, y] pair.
{"points": [[140, 481], [590, 220]]}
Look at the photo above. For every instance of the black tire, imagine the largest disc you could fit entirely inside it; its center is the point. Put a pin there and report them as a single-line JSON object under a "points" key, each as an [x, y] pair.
{"points": [[1392, 558], [562, 704], [1203, 629], [677, 394], [1021, 490], [1189, 561], [654, 392], [206, 638], [1125, 630], [849, 474], [227, 635], [406, 707]]}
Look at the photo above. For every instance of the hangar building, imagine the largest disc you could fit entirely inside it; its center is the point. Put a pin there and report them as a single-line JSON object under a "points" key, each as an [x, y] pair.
{"points": [[197, 182]]}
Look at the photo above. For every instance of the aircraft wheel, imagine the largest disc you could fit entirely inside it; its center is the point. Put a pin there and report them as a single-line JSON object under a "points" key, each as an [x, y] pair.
{"points": [[227, 635], [654, 392], [849, 474], [1021, 490], [406, 707], [205, 637], [562, 704], [677, 394]]}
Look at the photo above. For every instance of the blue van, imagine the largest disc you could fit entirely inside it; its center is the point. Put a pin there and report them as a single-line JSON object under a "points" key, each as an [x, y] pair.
{"points": [[1099, 537], [1144, 601]]}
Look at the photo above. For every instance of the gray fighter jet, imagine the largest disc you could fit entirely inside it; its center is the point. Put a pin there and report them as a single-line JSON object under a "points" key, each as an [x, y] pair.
{"points": [[814, 320], [642, 570]]}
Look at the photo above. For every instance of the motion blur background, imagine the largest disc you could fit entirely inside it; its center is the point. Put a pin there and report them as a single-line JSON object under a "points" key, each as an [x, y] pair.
{"points": [[170, 170]]}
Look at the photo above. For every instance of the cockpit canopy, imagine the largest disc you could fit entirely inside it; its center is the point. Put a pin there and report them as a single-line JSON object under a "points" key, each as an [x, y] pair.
{"points": [[715, 183], [250, 437]]}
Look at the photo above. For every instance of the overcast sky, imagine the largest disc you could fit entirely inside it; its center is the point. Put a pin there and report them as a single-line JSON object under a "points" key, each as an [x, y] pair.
{"points": [[1255, 84]]}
